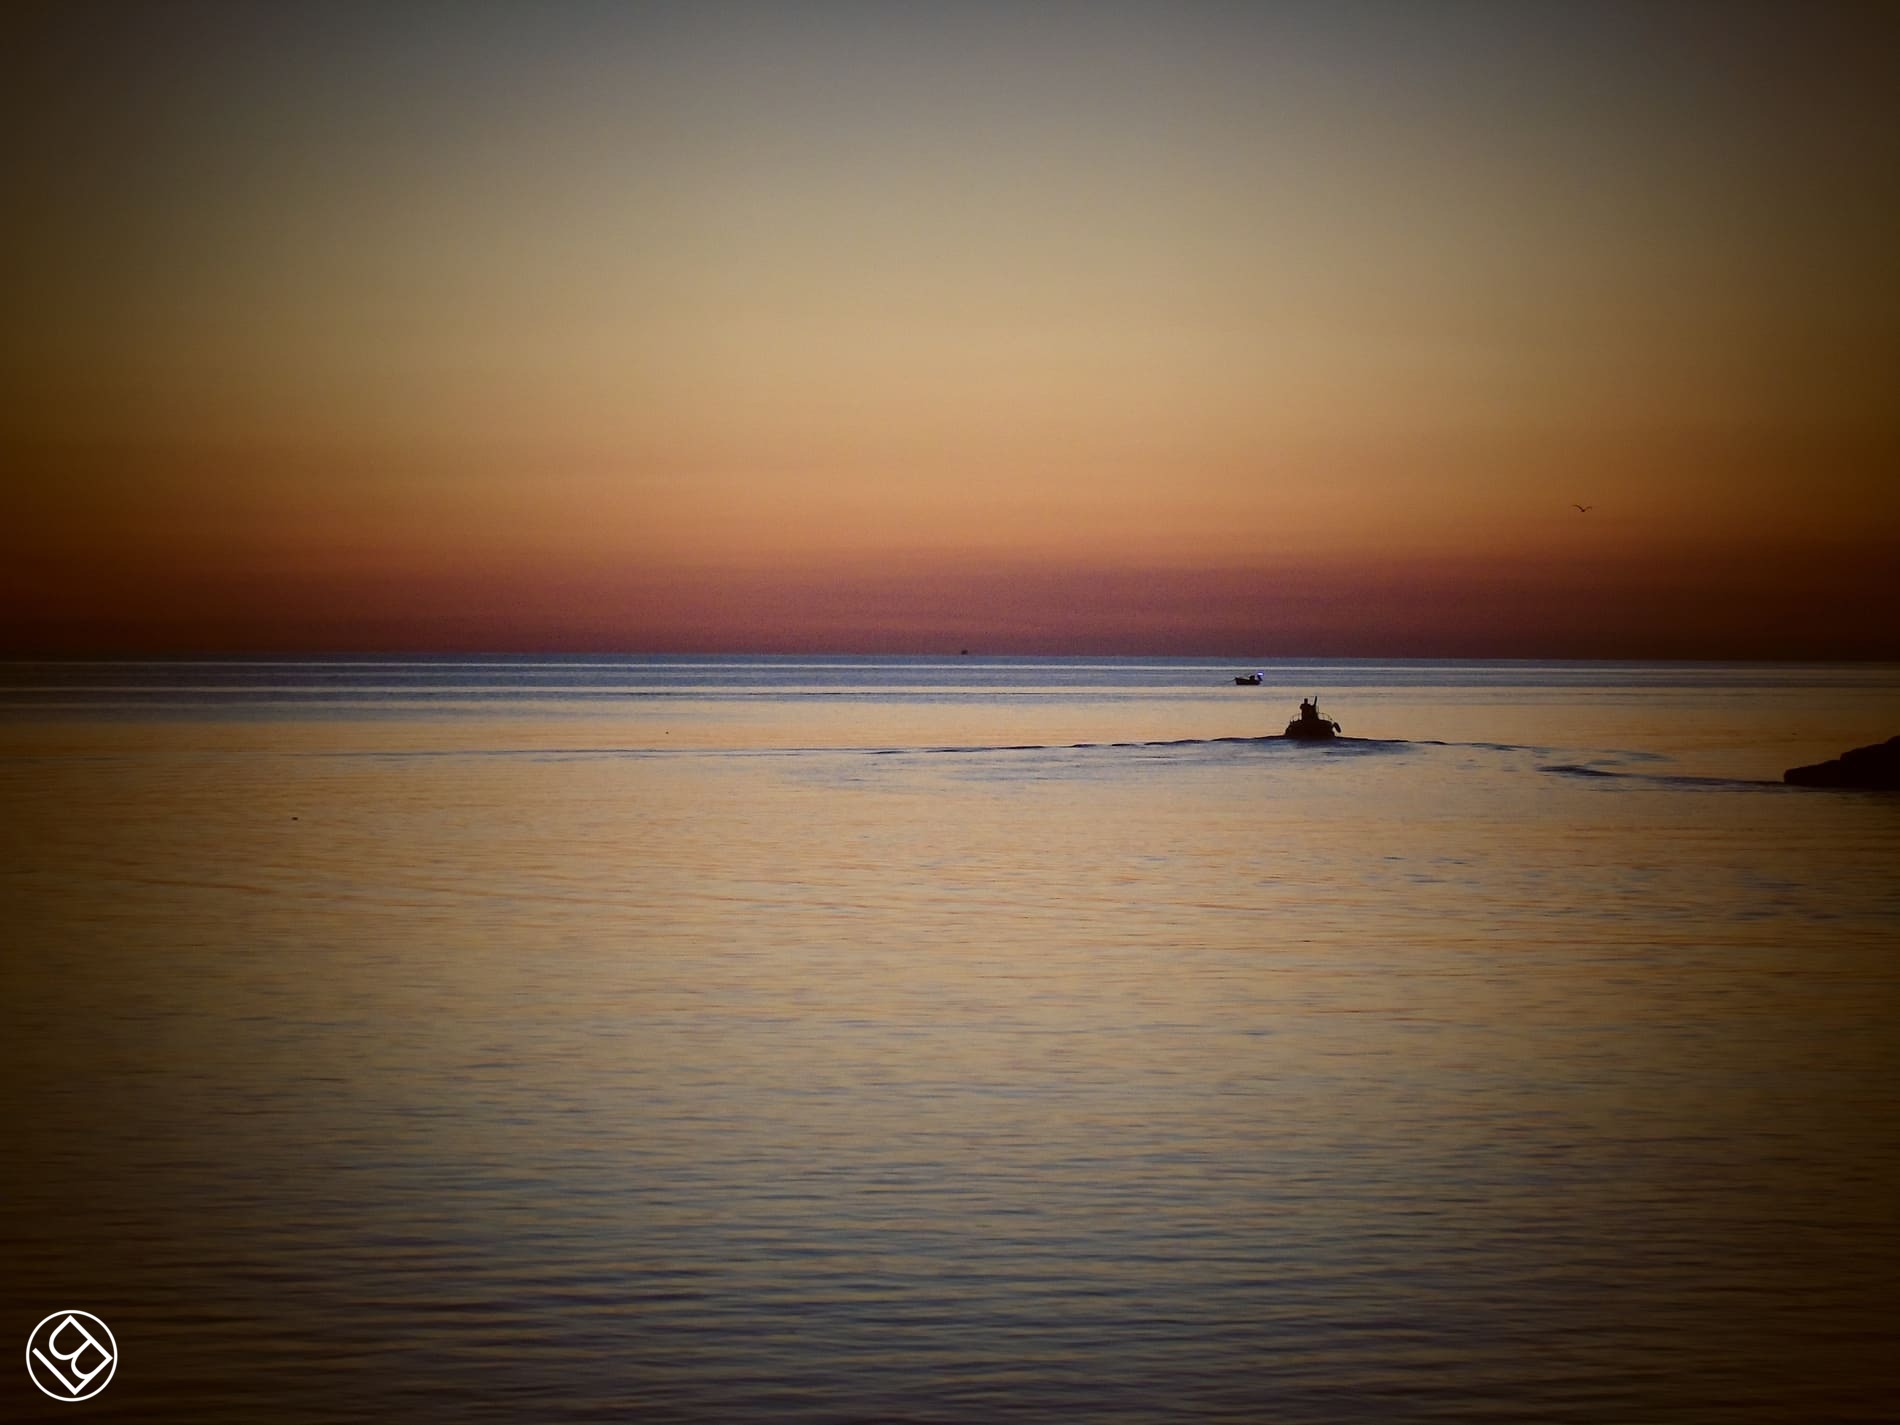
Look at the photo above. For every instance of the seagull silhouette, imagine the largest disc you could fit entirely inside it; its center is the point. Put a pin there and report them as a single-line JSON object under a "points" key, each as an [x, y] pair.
{"points": [[1583, 509]]}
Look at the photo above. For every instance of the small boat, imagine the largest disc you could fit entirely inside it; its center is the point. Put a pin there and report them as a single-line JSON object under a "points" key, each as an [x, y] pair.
{"points": [[1250, 680], [1309, 726]]}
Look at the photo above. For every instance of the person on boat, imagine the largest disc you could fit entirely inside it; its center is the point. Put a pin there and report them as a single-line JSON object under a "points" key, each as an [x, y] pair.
{"points": [[1309, 715]]}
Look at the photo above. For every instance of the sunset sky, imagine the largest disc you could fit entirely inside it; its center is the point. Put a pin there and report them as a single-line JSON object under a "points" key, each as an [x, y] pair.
{"points": [[1224, 328]]}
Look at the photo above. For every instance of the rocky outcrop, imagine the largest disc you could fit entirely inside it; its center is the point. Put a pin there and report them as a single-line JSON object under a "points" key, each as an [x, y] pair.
{"points": [[1875, 766]]}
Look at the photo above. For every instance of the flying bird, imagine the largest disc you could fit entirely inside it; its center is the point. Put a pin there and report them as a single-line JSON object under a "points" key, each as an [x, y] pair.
{"points": [[1583, 509]]}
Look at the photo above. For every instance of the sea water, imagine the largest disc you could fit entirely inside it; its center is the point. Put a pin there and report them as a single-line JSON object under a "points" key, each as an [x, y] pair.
{"points": [[953, 1039]]}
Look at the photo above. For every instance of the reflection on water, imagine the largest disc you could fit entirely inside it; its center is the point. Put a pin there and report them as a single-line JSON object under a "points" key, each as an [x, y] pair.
{"points": [[1010, 1041]]}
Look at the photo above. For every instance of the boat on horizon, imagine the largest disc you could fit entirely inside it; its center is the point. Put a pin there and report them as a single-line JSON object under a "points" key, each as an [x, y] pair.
{"points": [[1250, 680], [1309, 726]]}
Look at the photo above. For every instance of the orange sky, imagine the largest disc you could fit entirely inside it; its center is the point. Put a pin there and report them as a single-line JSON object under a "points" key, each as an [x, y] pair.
{"points": [[1049, 328]]}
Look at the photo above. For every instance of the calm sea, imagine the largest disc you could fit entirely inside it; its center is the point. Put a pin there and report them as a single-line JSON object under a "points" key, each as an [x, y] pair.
{"points": [[957, 1039]]}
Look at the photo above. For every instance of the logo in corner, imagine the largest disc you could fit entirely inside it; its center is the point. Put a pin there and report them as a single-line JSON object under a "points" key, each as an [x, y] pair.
{"points": [[71, 1355]]}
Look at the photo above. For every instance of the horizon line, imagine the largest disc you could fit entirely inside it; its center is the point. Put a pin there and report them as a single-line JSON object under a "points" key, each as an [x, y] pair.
{"points": [[215, 654]]}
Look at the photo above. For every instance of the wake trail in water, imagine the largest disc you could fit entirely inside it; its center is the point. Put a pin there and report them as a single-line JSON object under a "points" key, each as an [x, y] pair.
{"points": [[1333, 746], [1618, 773], [1680, 780], [1339, 746]]}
